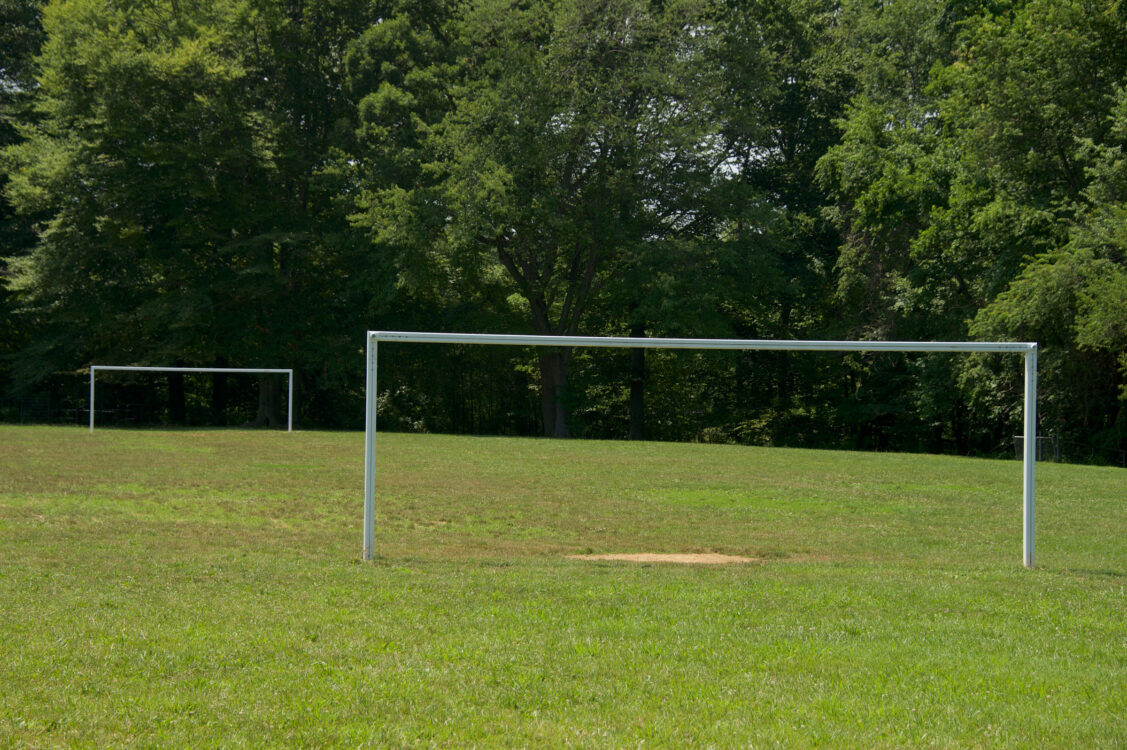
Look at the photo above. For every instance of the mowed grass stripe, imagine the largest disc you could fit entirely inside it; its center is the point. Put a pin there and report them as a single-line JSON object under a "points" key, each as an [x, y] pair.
{"points": [[203, 588]]}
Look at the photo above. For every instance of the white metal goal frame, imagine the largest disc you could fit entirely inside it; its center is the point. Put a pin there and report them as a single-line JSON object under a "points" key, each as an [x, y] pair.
{"points": [[288, 372], [1029, 349]]}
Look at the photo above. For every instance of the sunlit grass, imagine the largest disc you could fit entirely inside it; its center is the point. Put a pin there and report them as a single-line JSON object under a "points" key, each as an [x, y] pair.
{"points": [[204, 588]]}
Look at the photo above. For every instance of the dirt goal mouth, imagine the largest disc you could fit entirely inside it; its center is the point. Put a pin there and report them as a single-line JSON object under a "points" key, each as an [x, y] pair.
{"points": [[697, 558]]}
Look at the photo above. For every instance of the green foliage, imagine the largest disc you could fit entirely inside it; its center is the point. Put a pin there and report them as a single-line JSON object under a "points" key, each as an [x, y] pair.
{"points": [[248, 182], [21, 35], [959, 196], [778, 102], [570, 138], [128, 161], [1042, 305], [177, 156], [1103, 232], [1071, 300]]}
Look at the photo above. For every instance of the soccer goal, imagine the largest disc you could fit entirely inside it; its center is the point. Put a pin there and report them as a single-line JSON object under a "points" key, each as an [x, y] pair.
{"points": [[242, 370], [374, 337]]}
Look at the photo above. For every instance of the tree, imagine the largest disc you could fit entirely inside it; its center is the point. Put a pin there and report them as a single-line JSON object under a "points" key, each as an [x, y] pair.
{"points": [[570, 126], [1072, 301], [180, 153], [21, 35], [134, 134], [780, 95], [949, 186]]}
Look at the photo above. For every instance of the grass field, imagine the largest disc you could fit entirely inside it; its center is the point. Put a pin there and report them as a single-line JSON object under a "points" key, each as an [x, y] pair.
{"points": [[204, 589]]}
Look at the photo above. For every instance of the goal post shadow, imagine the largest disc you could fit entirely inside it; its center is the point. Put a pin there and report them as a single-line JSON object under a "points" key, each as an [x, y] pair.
{"points": [[1028, 349]]}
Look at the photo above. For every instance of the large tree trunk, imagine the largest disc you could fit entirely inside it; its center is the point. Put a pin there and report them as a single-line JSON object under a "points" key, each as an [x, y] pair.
{"points": [[269, 402], [637, 387], [554, 367]]}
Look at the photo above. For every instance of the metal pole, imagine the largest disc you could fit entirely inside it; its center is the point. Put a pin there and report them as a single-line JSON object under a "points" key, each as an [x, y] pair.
{"points": [[1030, 457], [738, 344], [91, 398], [370, 450], [139, 368], [289, 407]]}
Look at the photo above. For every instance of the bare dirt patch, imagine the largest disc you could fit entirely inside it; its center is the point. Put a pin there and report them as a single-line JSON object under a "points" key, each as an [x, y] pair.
{"points": [[701, 558]]}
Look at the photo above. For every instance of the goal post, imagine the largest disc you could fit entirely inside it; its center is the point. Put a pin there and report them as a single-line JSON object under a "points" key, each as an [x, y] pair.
{"points": [[1028, 349], [288, 372]]}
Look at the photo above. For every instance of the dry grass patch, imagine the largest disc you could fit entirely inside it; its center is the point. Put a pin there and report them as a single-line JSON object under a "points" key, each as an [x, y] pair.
{"points": [[692, 558]]}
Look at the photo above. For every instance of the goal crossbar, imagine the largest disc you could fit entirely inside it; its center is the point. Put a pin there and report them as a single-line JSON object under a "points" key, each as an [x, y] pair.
{"points": [[1028, 349], [288, 372]]}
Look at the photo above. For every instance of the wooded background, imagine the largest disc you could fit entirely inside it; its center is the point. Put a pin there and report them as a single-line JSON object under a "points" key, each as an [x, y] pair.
{"points": [[254, 183]]}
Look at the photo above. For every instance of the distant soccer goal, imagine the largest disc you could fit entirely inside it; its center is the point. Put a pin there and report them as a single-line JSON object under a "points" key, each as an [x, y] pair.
{"points": [[1026, 348], [242, 370]]}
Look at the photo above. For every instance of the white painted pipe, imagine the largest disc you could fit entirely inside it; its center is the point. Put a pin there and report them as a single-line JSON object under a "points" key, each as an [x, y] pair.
{"points": [[370, 448], [740, 344], [1029, 458]]}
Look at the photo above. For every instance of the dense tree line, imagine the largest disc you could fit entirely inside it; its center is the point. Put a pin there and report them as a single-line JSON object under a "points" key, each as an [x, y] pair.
{"points": [[257, 182]]}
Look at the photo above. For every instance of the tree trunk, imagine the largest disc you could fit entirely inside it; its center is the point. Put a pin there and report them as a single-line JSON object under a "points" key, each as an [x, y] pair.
{"points": [[780, 428], [219, 394], [269, 402], [637, 386], [177, 411], [553, 392], [959, 428]]}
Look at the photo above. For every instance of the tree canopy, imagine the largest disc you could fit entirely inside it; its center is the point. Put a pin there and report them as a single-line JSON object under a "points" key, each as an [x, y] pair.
{"points": [[255, 183]]}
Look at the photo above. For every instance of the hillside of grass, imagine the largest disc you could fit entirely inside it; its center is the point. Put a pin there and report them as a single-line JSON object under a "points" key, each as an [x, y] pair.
{"points": [[204, 588]]}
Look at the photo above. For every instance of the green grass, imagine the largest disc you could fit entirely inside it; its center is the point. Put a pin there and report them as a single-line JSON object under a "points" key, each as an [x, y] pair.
{"points": [[204, 589]]}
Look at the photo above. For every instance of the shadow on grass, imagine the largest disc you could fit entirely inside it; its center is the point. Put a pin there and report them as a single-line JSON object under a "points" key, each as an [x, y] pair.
{"points": [[1095, 573]]}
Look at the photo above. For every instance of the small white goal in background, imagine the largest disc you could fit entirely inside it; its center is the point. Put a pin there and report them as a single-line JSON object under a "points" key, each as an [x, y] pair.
{"points": [[246, 370]]}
